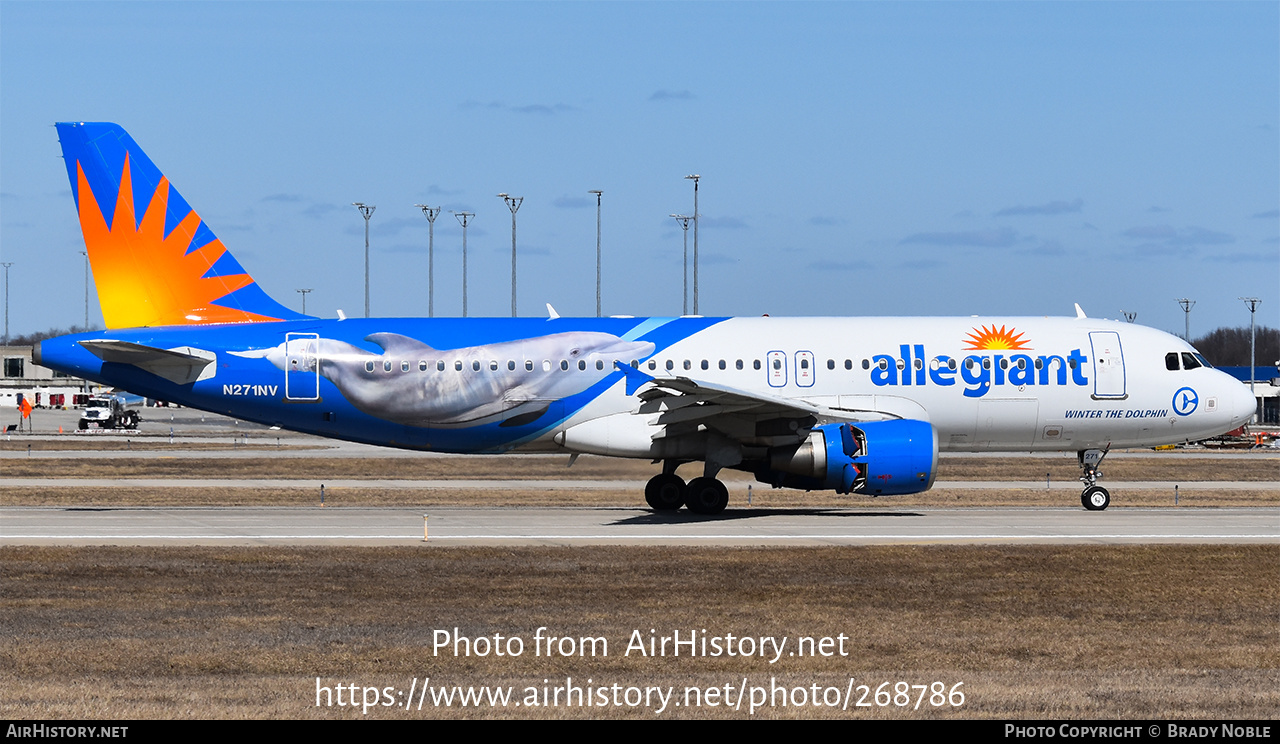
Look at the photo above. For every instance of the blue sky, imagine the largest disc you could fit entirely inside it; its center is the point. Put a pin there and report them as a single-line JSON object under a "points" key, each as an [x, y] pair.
{"points": [[856, 158]]}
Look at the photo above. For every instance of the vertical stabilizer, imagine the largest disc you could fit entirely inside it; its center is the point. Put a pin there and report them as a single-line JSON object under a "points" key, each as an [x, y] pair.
{"points": [[155, 262]]}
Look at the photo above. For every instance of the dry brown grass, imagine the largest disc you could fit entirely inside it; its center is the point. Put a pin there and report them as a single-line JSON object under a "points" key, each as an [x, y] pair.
{"points": [[1178, 467], [1075, 632]]}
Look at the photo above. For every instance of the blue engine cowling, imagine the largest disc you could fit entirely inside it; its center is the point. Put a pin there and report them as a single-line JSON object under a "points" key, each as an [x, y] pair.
{"points": [[880, 458]]}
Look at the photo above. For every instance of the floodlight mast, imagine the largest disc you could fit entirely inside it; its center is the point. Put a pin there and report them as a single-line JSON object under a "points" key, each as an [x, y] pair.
{"points": [[6, 266], [304, 292], [1186, 308], [684, 221], [513, 203], [1253, 303], [696, 219], [367, 211], [430, 213], [597, 192], [464, 218]]}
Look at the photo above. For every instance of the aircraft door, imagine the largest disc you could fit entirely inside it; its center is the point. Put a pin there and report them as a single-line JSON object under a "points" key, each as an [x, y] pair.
{"points": [[302, 366], [804, 368], [1108, 366], [776, 361]]}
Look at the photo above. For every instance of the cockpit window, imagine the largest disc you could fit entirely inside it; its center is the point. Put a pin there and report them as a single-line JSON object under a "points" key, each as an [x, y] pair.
{"points": [[1204, 362], [1171, 361], [1189, 361]]}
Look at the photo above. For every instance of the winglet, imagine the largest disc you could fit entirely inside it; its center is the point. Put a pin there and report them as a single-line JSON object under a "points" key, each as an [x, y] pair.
{"points": [[635, 378], [1080, 312], [551, 312]]}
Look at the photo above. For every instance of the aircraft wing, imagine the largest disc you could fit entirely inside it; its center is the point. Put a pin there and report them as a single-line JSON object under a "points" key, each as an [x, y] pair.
{"points": [[681, 405], [181, 366]]}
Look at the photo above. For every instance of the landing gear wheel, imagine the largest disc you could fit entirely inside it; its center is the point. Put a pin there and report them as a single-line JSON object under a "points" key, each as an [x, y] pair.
{"points": [[707, 496], [665, 492], [1095, 498]]}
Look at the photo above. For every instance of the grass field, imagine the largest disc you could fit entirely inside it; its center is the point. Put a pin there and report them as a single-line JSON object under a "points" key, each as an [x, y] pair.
{"points": [[1032, 632], [1167, 631]]}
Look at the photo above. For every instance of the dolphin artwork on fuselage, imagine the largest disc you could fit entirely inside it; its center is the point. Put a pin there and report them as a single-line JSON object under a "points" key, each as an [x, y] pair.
{"points": [[415, 384]]}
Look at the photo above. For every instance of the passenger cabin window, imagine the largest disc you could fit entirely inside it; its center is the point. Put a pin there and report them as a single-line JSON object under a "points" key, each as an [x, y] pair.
{"points": [[440, 366], [755, 363], [386, 366], [564, 364], [404, 366], [368, 367], [457, 365], [582, 365], [705, 365], [722, 364], [599, 364], [653, 364], [738, 364], [422, 366], [511, 365], [528, 365]]}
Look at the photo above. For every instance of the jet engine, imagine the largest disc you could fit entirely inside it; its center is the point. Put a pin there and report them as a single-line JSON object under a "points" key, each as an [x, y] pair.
{"points": [[880, 458]]}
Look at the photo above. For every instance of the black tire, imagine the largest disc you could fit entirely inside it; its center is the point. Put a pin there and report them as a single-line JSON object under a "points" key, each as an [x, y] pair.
{"points": [[707, 496], [665, 492], [131, 420], [1095, 498], [84, 425]]}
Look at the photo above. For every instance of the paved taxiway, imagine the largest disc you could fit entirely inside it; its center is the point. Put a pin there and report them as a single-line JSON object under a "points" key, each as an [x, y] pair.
{"points": [[628, 526]]}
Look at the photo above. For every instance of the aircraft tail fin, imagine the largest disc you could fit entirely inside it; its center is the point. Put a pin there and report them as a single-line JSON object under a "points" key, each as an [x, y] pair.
{"points": [[155, 262]]}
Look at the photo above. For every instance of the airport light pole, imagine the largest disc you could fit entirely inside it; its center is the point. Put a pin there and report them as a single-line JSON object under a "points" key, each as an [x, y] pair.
{"points": [[367, 211], [6, 266], [1186, 308], [431, 213], [696, 219], [464, 218], [597, 192], [303, 292], [684, 220], [513, 203], [1252, 302]]}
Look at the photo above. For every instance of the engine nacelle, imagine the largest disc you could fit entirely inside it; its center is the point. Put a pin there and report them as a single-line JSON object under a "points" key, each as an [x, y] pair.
{"points": [[880, 458]]}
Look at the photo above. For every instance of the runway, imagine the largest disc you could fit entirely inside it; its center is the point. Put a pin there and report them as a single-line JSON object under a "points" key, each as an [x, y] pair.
{"points": [[628, 526]]}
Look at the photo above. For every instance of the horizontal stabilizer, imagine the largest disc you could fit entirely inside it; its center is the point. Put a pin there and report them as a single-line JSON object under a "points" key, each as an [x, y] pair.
{"points": [[181, 366]]}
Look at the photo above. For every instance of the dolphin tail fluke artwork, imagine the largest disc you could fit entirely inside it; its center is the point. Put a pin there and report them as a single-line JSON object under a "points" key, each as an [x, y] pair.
{"points": [[155, 262]]}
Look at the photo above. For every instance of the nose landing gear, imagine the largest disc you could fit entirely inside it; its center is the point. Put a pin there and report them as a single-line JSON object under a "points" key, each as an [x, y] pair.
{"points": [[1094, 497]]}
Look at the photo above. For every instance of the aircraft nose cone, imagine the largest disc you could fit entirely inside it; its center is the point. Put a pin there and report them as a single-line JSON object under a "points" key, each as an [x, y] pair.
{"points": [[1243, 404]]}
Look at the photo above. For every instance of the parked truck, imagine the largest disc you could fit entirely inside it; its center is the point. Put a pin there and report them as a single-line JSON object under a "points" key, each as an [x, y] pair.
{"points": [[109, 412]]}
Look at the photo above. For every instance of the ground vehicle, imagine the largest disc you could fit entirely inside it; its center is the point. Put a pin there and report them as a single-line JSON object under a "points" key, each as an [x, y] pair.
{"points": [[109, 412]]}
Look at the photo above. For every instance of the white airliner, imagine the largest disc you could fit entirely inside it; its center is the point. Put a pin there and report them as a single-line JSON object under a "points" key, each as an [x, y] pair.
{"points": [[855, 405]]}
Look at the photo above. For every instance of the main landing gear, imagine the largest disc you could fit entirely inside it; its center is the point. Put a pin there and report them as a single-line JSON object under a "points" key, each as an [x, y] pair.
{"points": [[1093, 497], [667, 492]]}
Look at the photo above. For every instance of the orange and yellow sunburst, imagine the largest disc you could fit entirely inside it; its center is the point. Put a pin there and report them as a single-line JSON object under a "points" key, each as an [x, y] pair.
{"points": [[995, 338], [147, 279]]}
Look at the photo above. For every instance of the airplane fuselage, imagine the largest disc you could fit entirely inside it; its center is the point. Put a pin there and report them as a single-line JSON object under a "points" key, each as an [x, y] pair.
{"points": [[496, 385]]}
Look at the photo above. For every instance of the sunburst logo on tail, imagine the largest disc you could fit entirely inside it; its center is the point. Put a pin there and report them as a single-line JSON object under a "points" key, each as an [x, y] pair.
{"points": [[146, 278], [985, 339]]}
